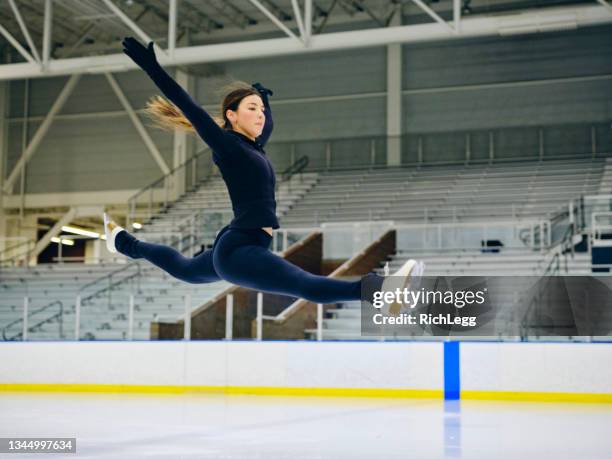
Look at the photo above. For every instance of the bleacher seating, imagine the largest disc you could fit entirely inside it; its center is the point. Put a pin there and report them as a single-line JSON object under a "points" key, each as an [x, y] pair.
{"points": [[520, 190], [104, 316], [213, 196], [344, 322], [158, 293]]}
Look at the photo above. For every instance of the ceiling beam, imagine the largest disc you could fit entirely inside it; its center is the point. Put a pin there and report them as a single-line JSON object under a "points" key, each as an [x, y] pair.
{"points": [[434, 15], [24, 30], [13, 41], [275, 20], [530, 21], [606, 4], [47, 31], [131, 24], [308, 21], [42, 130], [146, 138], [457, 15], [172, 12], [298, 19], [228, 10]]}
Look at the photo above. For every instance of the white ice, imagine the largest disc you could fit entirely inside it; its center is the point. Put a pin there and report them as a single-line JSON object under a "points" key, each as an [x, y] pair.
{"points": [[265, 427]]}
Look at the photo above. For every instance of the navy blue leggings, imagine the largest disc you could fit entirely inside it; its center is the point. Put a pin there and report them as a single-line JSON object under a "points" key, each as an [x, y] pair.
{"points": [[243, 257]]}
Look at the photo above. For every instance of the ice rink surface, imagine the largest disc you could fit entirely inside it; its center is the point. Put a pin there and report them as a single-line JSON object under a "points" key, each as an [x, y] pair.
{"points": [[265, 427]]}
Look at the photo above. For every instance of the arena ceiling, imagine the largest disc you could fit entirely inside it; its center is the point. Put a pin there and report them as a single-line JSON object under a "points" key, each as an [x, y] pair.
{"points": [[48, 37]]}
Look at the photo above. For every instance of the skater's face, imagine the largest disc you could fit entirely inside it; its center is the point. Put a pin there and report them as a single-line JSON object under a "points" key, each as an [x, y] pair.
{"points": [[249, 118]]}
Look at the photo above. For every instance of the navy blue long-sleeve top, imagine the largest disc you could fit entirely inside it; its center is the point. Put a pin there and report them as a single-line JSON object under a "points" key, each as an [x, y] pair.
{"points": [[244, 165]]}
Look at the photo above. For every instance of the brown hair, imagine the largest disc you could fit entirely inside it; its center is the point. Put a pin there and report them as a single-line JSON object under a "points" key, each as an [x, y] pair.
{"points": [[166, 115]]}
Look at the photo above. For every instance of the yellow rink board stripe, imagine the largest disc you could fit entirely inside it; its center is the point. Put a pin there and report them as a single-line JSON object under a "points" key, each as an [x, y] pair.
{"points": [[313, 391], [536, 396], [254, 390]]}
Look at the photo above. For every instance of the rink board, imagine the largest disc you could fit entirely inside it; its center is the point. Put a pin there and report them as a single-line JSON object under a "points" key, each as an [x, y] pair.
{"points": [[474, 370]]}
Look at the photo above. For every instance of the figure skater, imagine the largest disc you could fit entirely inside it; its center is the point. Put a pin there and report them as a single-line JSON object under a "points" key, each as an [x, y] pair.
{"points": [[241, 250]]}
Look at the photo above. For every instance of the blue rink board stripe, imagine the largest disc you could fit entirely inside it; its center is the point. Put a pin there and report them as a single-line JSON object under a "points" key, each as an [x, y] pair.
{"points": [[452, 383]]}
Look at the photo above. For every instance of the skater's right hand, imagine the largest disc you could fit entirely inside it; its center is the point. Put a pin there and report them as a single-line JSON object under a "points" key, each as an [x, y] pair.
{"points": [[144, 57]]}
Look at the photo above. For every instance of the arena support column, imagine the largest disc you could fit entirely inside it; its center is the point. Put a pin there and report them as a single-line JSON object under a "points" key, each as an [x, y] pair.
{"points": [[394, 98], [3, 154], [180, 144]]}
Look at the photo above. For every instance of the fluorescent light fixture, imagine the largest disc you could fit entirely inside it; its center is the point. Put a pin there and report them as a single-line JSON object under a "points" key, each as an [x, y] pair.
{"points": [[80, 231], [136, 225], [64, 241]]}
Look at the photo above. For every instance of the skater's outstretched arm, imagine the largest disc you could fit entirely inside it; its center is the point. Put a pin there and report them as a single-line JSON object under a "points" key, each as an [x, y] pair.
{"points": [[269, 124], [202, 122]]}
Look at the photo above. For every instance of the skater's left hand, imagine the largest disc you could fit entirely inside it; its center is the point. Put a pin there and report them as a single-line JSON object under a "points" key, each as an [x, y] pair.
{"points": [[262, 90]]}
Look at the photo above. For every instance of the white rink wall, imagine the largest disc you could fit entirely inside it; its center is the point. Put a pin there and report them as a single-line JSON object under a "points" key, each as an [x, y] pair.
{"points": [[537, 367], [226, 363], [410, 368]]}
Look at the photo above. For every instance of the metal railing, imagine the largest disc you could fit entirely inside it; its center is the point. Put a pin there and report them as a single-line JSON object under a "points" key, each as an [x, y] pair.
{"points": [[297, 167], [534, 235], [107, 279], [17, 254], [110, 282], [59, 316]]}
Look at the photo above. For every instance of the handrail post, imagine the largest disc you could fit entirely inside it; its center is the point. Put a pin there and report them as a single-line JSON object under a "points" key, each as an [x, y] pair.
{"points": [[77, 318], [187, 334], [229, 316], [110, 287], [61, 321], [192, 238], [131, 319], [259, 316], [549, 226], [26, 303], [319, 322]]}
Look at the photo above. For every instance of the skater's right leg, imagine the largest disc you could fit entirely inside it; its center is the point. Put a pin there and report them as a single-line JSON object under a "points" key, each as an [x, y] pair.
{"points": [[196, 270]]}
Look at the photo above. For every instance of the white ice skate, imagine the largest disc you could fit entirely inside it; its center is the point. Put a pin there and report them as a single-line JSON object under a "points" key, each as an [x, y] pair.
{"points": [[111, 235], [407, 276]]}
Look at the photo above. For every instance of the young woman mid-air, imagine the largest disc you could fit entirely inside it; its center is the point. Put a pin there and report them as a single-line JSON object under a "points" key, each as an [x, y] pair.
{"points": [[240, 252]]}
